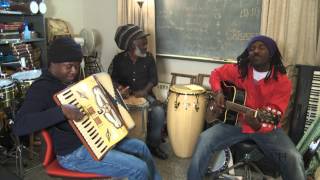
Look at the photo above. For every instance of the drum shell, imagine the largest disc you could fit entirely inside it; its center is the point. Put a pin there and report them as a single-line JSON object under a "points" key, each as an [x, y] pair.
{"points": [[185, 122], [139, 112], [7, 94]]}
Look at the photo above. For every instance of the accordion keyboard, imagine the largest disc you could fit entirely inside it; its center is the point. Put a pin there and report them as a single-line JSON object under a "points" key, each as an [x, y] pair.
{"points": [[102, 126]]}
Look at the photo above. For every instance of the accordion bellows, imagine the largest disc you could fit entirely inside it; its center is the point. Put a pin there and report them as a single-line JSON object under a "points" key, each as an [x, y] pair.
{"points": [[106, 120]]}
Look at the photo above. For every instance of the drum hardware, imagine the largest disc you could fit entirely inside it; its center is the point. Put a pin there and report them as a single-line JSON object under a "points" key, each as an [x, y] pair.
{"points": [[176, 103], [197, 104]]}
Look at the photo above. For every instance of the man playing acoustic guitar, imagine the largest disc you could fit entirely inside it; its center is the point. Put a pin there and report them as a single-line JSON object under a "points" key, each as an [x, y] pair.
{"points": [[259, 71]]}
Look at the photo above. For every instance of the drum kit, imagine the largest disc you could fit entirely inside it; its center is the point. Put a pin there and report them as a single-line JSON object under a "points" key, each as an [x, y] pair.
{"points": [[12, 93]]}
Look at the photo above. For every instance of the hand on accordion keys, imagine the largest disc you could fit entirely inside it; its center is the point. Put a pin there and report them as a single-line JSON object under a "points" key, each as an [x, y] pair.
{"points": [[71, 112]]}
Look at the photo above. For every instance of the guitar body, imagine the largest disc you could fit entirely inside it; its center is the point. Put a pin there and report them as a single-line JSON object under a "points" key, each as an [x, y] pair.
{"points": [[235, 100], [235, 95]]}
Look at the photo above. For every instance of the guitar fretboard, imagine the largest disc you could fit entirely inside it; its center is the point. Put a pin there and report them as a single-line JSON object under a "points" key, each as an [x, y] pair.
{"points": [[237, 107]]}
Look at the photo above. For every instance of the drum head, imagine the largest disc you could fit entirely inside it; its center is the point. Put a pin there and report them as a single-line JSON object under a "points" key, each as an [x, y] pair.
{"points": [[5, 83], [187, 89], [132, 102], [26, 75]]}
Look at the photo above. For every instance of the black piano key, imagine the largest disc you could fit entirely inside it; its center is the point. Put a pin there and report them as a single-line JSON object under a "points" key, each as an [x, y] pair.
{"points": [[73, 101], [98, 141], [90, 129], [93, 132], [104, 149], [68, 97], [86, 125], [96, 135], [66, 93], [99, 145]]}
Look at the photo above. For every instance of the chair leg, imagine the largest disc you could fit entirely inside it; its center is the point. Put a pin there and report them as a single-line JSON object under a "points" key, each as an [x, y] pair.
{"points": [[31, 144]]}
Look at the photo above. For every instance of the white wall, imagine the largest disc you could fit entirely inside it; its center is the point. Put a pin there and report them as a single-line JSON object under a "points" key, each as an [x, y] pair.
{"points": [[167, 65], [101, 15], [71, 11]]}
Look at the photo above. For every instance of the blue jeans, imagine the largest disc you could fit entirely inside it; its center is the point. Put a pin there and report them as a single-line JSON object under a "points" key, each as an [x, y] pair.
{"points": [[155, 122], [130, 158], [275, 145]]}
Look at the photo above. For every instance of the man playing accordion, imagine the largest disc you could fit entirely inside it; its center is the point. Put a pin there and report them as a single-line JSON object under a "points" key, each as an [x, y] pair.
{"points": [[129, 158]]}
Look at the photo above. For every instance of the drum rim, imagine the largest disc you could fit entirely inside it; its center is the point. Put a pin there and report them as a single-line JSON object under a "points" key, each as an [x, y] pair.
{"points": [[188, 92], [8, 85], [29, 79]]}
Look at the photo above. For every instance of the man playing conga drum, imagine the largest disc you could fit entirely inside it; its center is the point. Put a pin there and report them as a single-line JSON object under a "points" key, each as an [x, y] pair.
{"points": [[134, 73]]}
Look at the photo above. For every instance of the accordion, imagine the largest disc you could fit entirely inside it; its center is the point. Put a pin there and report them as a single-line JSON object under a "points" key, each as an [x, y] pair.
{"points": [[106, 120]]}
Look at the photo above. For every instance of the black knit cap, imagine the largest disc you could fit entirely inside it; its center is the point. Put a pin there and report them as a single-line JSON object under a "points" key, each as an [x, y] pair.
{"points": [[64, 49], [126, 34]]}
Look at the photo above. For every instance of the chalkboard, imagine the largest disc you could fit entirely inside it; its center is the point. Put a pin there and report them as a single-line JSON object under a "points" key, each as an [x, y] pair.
{"points": [[217, 29]]}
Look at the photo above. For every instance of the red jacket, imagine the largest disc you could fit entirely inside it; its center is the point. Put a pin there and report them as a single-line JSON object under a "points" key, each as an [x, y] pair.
{"points": [[274, 93]]}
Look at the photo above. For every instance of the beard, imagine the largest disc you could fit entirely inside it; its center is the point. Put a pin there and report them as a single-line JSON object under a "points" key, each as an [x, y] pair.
{"points": [[139, 53]]}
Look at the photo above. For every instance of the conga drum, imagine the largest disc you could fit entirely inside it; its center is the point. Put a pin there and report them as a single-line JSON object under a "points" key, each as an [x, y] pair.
{"points": [[138, 109], [185, 117]]}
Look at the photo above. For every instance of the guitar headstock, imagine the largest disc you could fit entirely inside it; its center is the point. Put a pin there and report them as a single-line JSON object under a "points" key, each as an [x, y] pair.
{"points": [[269, 116]]}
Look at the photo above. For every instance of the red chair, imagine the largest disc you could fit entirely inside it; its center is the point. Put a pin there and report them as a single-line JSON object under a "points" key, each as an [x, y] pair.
{"points": [[52, 166]]}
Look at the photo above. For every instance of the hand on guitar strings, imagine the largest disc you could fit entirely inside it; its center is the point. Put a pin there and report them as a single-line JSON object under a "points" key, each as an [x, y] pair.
{"points": [[253, 121], [220, 100], [71, 112]]}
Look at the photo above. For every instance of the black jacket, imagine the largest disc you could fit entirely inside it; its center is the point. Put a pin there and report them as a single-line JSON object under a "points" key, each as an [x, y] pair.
{"points": [[137, 75], [39, 111]]}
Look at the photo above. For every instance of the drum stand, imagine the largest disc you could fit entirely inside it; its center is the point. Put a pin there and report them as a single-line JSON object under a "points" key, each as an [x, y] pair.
{"points": [[17, 151], [247, 162]]}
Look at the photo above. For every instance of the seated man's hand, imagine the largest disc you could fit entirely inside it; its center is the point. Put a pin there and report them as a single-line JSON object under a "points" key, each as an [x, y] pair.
{"points": [[124, 91], [71, 112], [219, 100], [140, 93]]}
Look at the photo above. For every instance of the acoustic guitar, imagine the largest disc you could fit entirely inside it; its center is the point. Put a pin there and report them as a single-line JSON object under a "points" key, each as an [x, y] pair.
{"points": [[235, 99]]}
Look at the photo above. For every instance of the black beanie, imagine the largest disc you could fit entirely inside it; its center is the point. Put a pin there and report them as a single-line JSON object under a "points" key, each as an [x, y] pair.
{"points": [[64, 49], [126, 34]]}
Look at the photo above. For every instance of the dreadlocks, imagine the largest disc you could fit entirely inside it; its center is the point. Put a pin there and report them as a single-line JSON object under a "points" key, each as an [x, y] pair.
{"points": [[276, 58]]}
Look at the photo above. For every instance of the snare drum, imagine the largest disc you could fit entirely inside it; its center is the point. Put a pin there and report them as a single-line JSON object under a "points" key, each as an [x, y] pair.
{"points": [[185, 116], [25, 79], [138, 109], [7, 92]]}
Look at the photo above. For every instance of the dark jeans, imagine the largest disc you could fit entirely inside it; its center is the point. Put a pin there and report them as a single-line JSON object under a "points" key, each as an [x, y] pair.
{"points": [[156, 120], [275, 145]]}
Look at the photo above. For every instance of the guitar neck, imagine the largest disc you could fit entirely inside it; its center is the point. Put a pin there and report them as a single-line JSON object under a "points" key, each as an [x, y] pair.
{"points": [[237, 107]]}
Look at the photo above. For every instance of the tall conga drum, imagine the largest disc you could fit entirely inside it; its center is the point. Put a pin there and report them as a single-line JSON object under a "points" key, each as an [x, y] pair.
{"points": [[138, 109], [185, 117]]}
